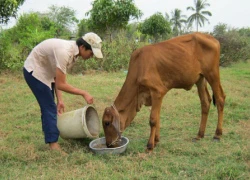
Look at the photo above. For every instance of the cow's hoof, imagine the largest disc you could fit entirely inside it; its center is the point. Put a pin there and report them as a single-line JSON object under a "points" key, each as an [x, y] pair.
{"points": [[149, 151], [216, 139], [150, 148]]}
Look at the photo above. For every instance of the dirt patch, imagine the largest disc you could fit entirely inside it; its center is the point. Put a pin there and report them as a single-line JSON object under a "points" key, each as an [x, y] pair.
{"points": [[3, 135], [2, 81]]}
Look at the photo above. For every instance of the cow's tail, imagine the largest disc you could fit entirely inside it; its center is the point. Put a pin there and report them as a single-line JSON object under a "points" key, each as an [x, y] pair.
{"points": [[214, 101]]}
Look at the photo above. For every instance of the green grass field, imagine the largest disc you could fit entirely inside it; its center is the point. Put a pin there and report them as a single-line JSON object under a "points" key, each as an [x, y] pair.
{"points": [[23, 154]]}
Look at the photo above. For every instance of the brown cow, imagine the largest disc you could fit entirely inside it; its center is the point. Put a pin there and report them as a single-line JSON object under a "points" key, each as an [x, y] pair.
{"points": [[153, 70]]}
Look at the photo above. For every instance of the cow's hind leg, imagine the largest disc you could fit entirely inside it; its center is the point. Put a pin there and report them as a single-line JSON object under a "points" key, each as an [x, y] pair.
{"points": [[220, 101], [219, 96], [205, 101]]}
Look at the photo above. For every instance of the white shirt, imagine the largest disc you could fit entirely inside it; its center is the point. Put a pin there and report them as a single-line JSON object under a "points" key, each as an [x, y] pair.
{"points": [[49, 55]]}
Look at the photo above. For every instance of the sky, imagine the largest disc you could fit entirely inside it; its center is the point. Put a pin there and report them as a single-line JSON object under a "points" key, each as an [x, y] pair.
{"points": [[234, 13]]}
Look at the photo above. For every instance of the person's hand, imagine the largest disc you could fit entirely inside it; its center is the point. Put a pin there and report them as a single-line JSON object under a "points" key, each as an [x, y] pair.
{"points": [[60, 108], [89, 99]]}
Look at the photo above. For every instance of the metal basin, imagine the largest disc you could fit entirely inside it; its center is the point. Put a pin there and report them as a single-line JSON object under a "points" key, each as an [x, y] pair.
{"points": [[98, 146]]}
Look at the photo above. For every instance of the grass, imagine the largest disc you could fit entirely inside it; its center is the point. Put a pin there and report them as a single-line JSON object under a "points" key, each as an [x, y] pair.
{"points": [[23, 154]]}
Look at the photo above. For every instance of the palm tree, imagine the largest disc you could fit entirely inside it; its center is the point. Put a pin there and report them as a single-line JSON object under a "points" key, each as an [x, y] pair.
{"points": [[199, 13], [177, 20]]}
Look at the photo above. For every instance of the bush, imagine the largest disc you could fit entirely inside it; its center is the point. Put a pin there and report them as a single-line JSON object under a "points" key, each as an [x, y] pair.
{"points": [[234, 46], [17, 42], [116, 56]]}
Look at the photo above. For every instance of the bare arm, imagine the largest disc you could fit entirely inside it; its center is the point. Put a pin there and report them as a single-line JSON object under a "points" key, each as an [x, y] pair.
{"points": [[60, 104], [61, 84]]}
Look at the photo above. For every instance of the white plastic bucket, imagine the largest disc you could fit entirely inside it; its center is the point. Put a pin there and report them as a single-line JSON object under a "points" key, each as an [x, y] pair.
{"points": [[80, 123]]}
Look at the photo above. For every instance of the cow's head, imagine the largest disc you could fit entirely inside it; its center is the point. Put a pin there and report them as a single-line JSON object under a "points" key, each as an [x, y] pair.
{"points": [[111, 126], [114, 122]]}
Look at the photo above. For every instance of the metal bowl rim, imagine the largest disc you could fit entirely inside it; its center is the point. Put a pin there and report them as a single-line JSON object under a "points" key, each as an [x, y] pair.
{"points": [[98, 149]]}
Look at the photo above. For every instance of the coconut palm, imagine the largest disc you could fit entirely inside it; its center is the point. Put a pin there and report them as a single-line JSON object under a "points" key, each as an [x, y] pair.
{"points": [[199, 13], [177, 20]]}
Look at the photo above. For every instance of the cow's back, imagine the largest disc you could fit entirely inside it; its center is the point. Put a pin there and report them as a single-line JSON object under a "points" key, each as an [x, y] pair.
{"points": [[177, 47], [176, 61]]}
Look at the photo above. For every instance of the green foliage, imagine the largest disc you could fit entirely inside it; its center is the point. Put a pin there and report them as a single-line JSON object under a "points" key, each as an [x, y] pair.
{"points": [[29, 30], [132, 31], [156, 26], [8, 9], [177, 21], [46, 23], [220, 29], [234, 44], [8, 53], [82, 27], [64, 19], [19, 40], [108, 16], [116, 55], [245, 32], [199, 13]]}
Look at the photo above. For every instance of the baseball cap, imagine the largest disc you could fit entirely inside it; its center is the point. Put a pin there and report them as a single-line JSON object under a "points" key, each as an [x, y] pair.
{"points": [[95, 42]]}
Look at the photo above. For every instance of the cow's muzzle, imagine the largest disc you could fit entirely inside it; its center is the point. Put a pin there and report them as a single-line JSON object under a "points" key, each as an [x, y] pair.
{"points": [[115, 143]]}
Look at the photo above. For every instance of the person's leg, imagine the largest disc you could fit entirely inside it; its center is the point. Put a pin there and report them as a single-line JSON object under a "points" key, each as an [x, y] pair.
{"points": [[45, 98]]}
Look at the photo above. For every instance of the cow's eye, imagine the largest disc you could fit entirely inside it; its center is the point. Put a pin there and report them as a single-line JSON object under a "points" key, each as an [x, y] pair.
{"points": [[107, 123]]}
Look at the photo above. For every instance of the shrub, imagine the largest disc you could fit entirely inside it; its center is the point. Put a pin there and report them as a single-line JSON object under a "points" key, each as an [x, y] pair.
{"points": [[116, 55], [234, 46], [17, 42]]}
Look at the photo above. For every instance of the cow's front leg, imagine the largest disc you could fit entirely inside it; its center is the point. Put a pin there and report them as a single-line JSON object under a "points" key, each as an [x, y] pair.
{"points": [[151, 142], [154, 121], [157, 133]]}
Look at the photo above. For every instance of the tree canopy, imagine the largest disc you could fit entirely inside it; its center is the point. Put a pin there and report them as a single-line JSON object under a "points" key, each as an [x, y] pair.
{"points": [[8, 9], [199, 15], [63, 17], [156, 25], [177, 20], [82, 27], [111, 15]]}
